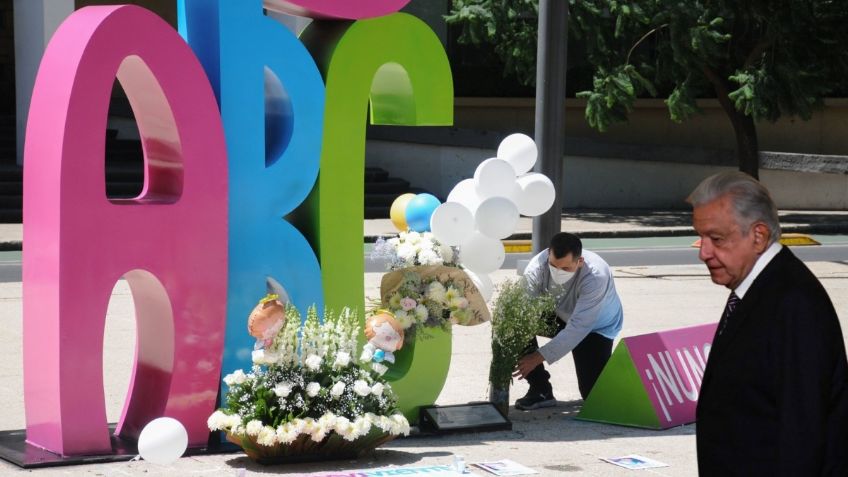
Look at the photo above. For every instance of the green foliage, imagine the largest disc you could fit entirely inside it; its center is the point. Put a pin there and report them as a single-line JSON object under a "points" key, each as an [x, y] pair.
{"points": [[762, 59], [516, 319]]}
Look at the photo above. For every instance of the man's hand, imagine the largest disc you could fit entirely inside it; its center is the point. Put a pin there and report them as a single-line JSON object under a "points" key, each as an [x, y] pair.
{"points": [[527, 364]]}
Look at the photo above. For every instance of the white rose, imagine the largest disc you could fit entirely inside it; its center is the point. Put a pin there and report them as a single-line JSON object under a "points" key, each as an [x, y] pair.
{"points": [[361, 388], [313, 362], [377, 389], [379, 368], [342, 359], [338, 389], [253, 427], [312, 389], [236, 377], [282, 389], [367, 354]]}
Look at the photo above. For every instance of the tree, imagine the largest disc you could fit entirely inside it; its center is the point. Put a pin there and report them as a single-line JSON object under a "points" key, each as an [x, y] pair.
{"points": [[761, 59]]}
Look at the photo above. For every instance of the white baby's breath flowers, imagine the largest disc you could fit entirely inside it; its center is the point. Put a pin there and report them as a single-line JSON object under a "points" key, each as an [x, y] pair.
{"points": [[361, 388], [337, 389], [313, 362], [312, 389]]}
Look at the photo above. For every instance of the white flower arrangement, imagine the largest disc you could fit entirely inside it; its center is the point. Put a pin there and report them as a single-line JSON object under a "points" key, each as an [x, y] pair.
{"points": [[410, 249], [307, 386]]}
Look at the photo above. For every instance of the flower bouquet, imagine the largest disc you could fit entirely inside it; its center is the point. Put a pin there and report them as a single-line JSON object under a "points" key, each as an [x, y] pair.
{"points": [[424, 286], [308, 395], [517, 318]]}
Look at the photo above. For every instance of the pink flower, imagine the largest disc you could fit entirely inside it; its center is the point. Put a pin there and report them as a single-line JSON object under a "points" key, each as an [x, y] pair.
{"points": [[407, 303]]}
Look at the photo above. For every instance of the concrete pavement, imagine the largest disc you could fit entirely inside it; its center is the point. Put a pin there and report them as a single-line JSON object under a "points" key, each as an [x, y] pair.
{"points": [[550, 441]]}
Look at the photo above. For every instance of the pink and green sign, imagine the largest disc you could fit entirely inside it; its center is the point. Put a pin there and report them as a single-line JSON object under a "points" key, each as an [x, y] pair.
{"points": [[652, 380], [254, 153]]}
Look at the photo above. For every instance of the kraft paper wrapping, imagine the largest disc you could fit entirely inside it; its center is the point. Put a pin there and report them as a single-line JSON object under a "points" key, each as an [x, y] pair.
{"points": [[479, 311]]}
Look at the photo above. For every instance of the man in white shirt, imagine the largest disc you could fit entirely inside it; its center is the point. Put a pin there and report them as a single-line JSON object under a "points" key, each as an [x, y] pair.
{"points": [[774, 396], [588, 317]]}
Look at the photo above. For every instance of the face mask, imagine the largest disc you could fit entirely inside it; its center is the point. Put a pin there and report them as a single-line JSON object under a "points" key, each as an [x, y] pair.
{"points": [[560, 276]]}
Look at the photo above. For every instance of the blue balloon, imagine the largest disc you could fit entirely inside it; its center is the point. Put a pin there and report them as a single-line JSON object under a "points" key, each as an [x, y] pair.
{"points": [[419, 210]]}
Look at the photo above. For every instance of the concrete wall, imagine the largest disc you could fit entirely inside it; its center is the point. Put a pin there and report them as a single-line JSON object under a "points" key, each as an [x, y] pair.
{"points": [[591, 182], [825, 133]]}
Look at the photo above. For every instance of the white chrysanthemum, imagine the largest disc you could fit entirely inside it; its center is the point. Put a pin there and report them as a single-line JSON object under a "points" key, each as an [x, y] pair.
{"points": [[429, 257], [253, 427], [237, 430], [413, 237], [344, 428], [404, 319], [459, 302], [394, 241], [384, 423], [312, 389], [233, 420], [287, 433], [436, 292], [217, 421], [406, 252], [342, 359], [421, 313], [361, 426], [400, 426], [337, 389], [283, 389], [377, 389], [313, 362], [361, 388], [236, 377], [267, 436]]}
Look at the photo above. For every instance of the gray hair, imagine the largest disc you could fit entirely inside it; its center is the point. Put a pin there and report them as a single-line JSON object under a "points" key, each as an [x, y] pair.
{"points": [[751, 200]]}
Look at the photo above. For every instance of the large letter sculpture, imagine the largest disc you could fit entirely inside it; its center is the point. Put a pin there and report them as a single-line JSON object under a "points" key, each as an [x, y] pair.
{"points": [[398, 64], [272, 104], [169, 242]]}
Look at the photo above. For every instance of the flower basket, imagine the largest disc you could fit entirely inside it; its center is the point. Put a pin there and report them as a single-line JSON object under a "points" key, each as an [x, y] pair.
{"points": [[308, 396], [304, 449]]}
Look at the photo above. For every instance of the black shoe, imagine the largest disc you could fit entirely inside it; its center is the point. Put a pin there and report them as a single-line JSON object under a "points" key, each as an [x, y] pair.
{"points": [[535, 400]]}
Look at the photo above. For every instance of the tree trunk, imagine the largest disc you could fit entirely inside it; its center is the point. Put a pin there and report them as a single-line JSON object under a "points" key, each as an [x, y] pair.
{"points": [[747, 147]]}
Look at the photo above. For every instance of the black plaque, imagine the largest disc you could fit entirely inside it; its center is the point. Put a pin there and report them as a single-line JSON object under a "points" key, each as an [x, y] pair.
{"points": [[473, 417]]}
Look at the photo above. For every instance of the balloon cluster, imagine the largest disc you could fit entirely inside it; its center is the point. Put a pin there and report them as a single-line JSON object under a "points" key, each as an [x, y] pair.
{"points": [[413, 212], [479, 212]]}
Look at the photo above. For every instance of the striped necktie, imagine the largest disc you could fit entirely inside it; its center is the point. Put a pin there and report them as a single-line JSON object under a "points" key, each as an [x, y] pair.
{"points": [[732, 302]]}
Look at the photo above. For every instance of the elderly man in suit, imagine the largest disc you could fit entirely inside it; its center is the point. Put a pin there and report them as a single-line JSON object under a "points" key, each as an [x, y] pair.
{"points": [[774, 397]]}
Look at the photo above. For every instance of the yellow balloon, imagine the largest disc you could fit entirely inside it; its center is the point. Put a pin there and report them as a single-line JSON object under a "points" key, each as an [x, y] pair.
{"points": [[398, 211]]}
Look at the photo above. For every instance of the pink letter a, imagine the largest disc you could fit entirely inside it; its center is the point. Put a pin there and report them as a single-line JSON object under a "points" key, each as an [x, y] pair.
{"points": [[169, 242]]}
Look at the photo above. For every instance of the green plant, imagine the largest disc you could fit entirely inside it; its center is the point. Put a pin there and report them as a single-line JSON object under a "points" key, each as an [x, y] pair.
{"points": [[517, 317]]}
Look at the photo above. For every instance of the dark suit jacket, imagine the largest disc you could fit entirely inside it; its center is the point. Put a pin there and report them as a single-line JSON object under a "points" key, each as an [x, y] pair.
{"points": [[774, 398]]}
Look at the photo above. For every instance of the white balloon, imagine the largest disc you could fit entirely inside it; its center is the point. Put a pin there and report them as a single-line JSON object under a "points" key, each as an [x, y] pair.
{"points": [[482, 254], [537, 194], [466, 194], [451, 223], [162, 441], [483, 283], [493, 177], [520, 151], [496, 217]]}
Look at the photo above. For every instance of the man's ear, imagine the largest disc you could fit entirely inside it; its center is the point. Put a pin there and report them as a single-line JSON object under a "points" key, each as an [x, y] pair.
{"points": [[762, 234]]}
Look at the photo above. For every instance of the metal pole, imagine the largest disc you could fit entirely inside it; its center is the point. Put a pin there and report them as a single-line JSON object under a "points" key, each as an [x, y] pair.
{"points": [[550, 111]]}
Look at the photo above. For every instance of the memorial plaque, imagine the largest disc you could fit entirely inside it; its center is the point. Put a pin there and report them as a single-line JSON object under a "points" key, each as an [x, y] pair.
{"points": [[474, 417]]}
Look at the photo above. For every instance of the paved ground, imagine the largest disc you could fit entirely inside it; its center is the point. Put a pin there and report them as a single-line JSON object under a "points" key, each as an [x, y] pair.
{"points": [[550, 441]]}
